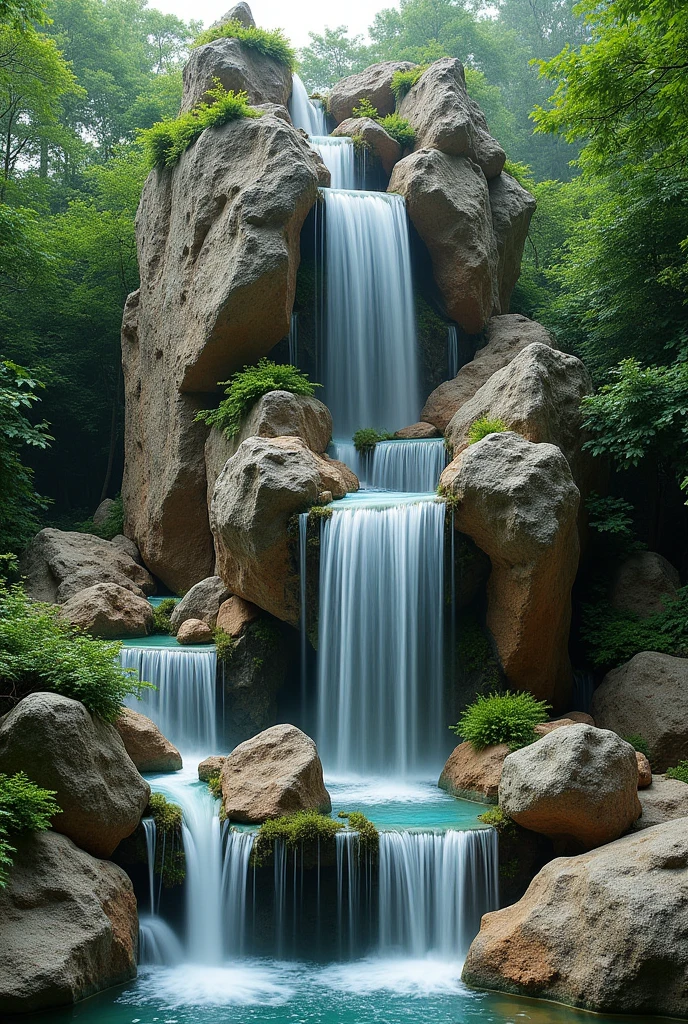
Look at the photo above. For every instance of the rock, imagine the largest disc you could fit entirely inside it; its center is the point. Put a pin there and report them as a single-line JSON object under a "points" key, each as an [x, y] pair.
{"points": [[325, 497], [418, 430], [58, 564], [194, 631], [506, 336], [577, 716], [127, 546], [201, 602], [644, 771], [62, 747], [474, 774], [445, 118], [210, 767], [68, 926], [606, 931], [379, 143], [240, 12], [260, 488], [218, 248], [577, 783], [664, 800], [145, 744], [642, 583], [253, 677], [545, 728], [648, 697], [109, 611], [235, 615], [448, 202], [103, 512], [277, 772], [374, 84], [518, 502], [538, 395], [512, 209], [237, 67]]}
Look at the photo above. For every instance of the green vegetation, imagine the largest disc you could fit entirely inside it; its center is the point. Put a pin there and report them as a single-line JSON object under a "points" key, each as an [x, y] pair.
{"points": [[610, 515], [269, 43], [502, 718], [612, 637], [399, 128], [404, 81], [113, 525], [680, 772], [305, 829], [639, 744], [215, 786], [224, 645], [364, 108], [161, 617], [24, 807], [320, 512], [368, 835], [474, 653], [170, 861], [497, 819], [246, 386], [39, 651], [480, 428], [366, 438]]}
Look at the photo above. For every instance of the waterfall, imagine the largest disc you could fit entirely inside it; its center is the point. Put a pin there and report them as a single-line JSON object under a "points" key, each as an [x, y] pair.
{"points": [[304, 112], [183, 703], [151, 836], [157, 942], [294, 339], [452, 351], [369, 346], [380, 679], [303, 617], [235, 873], [338, 156], [396, 465]]}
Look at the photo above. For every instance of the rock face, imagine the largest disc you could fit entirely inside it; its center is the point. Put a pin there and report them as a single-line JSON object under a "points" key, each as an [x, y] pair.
{"points": [[210, 766], [379, 143], [145, 744], [259, 489], [579, 783], [218, 248], [68, 926], [127, 546], [606, 931], [512, 210], [201, 602], [648, 696], [506, 336], [642, 583], [109, 611], [235, 615], [194, 631], [61, 747], [444, 117], [238, 67], [418, 430], [474, 774], [664, 800], [518, 502], [58, 564], [373, 84], [252, 679], [277, 772]]}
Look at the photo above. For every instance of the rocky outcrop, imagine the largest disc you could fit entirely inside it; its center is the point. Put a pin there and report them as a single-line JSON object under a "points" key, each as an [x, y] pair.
{"points": [[58, 564], [444, 117], [374, 84], [277, 772], [252, 678], [237, 67], [417, 430], [210, 767], [474, 774], [518, 502], [109, 611], [643, 583], [194, 631], [62, 747], [512, 210], [664, 800], [258, 491], [648, 696], [578, 783], [376, 140], [145, 744], [605, 931], [201, 602], [127, 546], [235, 615], [505, 336], [68, 926]]}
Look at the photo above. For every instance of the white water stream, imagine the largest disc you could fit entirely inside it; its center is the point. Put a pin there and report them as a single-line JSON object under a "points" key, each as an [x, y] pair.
{"points": [[395, 465], [304, 112]]}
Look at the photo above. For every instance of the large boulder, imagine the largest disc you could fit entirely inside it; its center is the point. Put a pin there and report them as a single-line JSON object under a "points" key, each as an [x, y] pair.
{"points": [[237, 67], [374, 137], [643, 583], [505, 337], [605, 931], [648, 696], [145, 744], [374, 84], [578, 783], [253, 677], [218, 246], [104, 511], [518, 502], [201, 602], [68, 926], [235, 615], [194, 631], [512, 210], [62, 747], [109, 611], [474, 774], [444, 117], [260, 488], [58, 564], [277, 772], [664, 800]]}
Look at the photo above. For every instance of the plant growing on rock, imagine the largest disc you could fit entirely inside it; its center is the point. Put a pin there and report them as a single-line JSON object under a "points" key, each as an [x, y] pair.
{"points": [[305, 829], [368, 835], [399, 128], [480, 428], [170, 859], [680, 772], [224, 645], [502, 718], [245, 387], [268, 42], [24, 807], [403, 81], [162, 615], [365, 108], [366, 438]]}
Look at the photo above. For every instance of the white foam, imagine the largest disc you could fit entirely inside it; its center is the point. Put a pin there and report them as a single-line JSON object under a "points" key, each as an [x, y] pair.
{"points": [[404, 977], [237, 984]]}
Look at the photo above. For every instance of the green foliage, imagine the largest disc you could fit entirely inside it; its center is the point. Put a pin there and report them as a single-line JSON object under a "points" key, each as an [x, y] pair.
{"points": [[331, 56], [403, 81], [497, 819], [170, 860], [113, 525], [320, 512], [612, 637], [639, 744], [246, 386], [610, 515], [225, 645], [399, 128], [480, 428], [365, 108], [366, 438], [39, 652], [161, 617], [270, 43], [368, 835], [215, 786], [20, 13], [502, 718], [680, 772], [24, 807], [305, 828]]}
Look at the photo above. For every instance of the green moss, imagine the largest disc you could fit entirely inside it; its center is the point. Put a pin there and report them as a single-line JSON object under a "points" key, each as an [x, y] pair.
{"points": [[161, 617], [170, 861], [215, 786], [480, 428], [404, 81], [366, 438], [360, 144], [225, 645], [270, 43], [502, 718], [680, 772], [310, 831], [368, 835]]}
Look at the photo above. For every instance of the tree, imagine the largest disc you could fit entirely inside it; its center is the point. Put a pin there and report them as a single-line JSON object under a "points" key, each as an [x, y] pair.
{"points": [[18, 14], [332, 56]]}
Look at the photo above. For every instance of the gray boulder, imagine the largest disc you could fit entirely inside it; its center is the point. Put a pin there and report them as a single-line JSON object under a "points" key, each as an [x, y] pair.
{"points": [[379, 143], [240, 12], [109, 611], [62, 747], [663, 800], [68, 926], [512, 210], [127, 546], [642, 584], [201, 602], [237, 67], [102, 513], [252, 680], [373, 84]]}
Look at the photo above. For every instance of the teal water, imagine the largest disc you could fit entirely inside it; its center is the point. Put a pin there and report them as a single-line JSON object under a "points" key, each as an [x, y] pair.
{"points": [[401, 804], [161, 640]]}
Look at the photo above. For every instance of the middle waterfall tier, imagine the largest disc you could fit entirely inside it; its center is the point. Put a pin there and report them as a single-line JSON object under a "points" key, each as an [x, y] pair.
{"points": [[338, 156], [395, 465]]}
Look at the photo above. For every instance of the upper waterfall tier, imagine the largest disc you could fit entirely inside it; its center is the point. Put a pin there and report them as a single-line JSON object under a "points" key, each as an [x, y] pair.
{"points": [[369, 344], [396, 465], [303, 112], [338, 156]]}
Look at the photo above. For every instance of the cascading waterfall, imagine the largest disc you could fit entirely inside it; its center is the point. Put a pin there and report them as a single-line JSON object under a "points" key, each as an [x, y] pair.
{"points": [[294, 339], [304, 112], [452, 351], [396, 465], [338, 156], [235, 873], [369, 344], [157, 942]]}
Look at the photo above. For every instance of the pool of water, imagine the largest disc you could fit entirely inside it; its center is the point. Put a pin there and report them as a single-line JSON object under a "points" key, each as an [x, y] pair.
{"points": [[399, 804], [163, 640]]}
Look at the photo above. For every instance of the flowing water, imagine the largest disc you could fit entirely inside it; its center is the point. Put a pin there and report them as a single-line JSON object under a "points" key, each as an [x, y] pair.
{"points": [[395, 465], [338, 156], [304, 112], [452, 351]]}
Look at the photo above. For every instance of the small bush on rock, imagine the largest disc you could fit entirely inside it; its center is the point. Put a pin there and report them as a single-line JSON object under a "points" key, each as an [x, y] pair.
{"points": [[482, 427], [170, 860], [403, 81], [502, 718], [224, 645], [399, 128], [680, 772], [365, 108], [368, 835], [24, 807], [366, 438], [613, 637], [270, 43], [162, 616]]}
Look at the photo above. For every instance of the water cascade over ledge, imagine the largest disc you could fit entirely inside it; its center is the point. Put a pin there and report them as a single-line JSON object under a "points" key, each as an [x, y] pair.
{"points": [[396, 465], [338, 156], [304, 112]]}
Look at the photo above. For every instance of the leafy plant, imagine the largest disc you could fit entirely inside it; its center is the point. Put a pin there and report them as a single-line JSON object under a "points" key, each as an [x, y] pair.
{"points": [[480, 428], [610, 515], [502, 718], [613, 637], [366, 438], [24, 807], [497, 819], [268, 42], [161, 617], [215, 786], [403, 81], [170, 859], [245, 387], [639, 744], [399, 128], [368, 835], [305, 828], [111, 527], [225, 645], [680, 772], [365, 108]]}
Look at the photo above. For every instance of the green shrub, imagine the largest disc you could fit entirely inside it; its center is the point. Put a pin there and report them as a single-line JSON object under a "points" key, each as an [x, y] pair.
{"points": [[170, 860], [24, 807], [610, 515], [161, 617], [366, 438], [680, 772], [399, 128], [39, 652], [480, 428], [224, 645], [112, 527], [497, 819], [368, 835], [215, 786], [269, 42], [305, 828], [365, 108], [612, 637], [245, 387], [502, 718], [404, 81], [639, 744]]}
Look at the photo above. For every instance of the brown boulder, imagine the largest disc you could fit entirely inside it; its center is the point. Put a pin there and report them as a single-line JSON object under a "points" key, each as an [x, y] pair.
{"points": [[194, 631], [109, 611], [210, 766], [644, 771], [201, 602], [418, 430], [374, 84], [237, 67], [512, 210], [374, 137], [277, 772], [642, 584], [145, 744], [235, 615], [474, 774], [664, 800]]}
